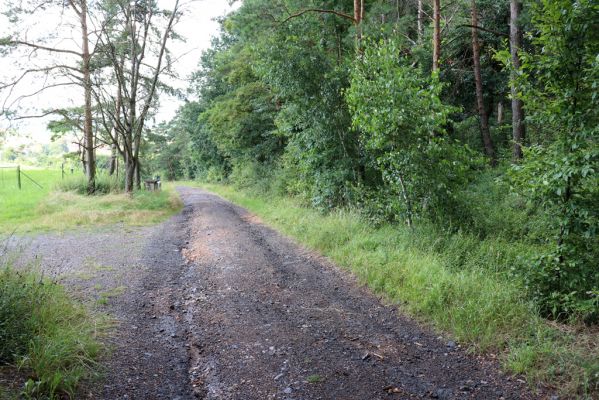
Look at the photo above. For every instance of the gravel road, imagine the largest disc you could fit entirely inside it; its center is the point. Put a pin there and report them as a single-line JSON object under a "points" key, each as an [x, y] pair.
{"points": [[213, 304]]}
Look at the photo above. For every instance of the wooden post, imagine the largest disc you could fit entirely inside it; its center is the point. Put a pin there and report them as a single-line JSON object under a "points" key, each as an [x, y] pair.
{"points": [[62, 170], [19, 176]]}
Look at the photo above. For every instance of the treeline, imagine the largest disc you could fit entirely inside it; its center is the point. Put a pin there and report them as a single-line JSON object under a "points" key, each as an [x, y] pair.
{"points": [[480, 117]]}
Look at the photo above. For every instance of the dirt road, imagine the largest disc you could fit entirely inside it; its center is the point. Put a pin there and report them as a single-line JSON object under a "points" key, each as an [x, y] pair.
{"points": [[213, 304]]}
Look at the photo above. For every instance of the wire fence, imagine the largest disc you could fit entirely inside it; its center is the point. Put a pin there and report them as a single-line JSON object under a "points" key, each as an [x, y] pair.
{"points": [[14, 176]]}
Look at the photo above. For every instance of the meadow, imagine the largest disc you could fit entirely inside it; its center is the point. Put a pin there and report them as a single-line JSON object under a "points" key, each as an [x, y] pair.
{"points": [[57, 206]]}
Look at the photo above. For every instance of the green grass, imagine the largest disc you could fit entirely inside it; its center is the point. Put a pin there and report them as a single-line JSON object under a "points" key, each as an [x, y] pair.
{"points": [[19, 205], [33, 209], [460, 285], [45, 334]]}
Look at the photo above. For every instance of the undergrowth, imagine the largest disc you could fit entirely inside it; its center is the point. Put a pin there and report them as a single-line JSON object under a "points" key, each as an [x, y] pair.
{"points": [[462, 284], [45, 334], [104, 184]]}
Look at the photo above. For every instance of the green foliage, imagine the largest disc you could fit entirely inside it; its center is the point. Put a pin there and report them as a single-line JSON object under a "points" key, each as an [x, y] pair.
{"points": [[46, 333], [168, 148], [402, 119], [559, 175]]}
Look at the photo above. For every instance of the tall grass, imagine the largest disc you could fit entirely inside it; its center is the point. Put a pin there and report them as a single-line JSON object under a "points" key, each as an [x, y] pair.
{"points": [[460, 284], [45, 333], [104, 184]]}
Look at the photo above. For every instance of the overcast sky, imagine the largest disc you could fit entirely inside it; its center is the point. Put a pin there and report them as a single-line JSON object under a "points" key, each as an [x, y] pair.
{"points": [[197, 26]]}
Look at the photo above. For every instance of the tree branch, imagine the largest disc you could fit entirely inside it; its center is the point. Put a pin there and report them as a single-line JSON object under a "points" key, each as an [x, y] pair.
{"points": [[40, 47], [480, 28], [318, 10]]}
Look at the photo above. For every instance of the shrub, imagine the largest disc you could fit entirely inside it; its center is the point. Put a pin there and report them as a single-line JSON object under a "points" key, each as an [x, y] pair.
{"points": [[402, 119], [559, 171]]}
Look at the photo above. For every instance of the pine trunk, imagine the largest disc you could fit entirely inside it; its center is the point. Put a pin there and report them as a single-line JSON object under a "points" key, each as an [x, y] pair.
{"points": [[90, 170], [420, 21], [129, 174], [113, 157], [482, 112], [436, 34], [518, 127]]}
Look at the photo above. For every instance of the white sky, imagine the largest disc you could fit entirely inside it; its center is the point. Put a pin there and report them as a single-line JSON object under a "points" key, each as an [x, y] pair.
{"points": [[197, 26]]}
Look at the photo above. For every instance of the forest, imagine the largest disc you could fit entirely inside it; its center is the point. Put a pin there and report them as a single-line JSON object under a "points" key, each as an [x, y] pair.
{"points": [[456, 138]]}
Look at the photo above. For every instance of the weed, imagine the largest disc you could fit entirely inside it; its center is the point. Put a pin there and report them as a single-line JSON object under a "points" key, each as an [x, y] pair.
{"points": [[315, 379], [46, 333]]}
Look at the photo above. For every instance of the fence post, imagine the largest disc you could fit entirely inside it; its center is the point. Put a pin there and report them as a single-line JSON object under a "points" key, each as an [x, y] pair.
{"points": [[62, 170], [19, 176]]}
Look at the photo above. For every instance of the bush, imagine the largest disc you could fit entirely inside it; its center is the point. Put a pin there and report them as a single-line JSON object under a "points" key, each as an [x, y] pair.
{"points": [[45, 332], [402, 119], [248, 174]]}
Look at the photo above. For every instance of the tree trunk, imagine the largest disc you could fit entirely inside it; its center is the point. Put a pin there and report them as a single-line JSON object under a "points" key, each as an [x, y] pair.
{"points": [[88, 132], [137, 174], [115, 135], [436, 34], [358, 14], [357, 10], [500, 112], [406, 198], [483, 115], [420, 20], [82, 154], [129, 175], [113, 157], [518, 127]]}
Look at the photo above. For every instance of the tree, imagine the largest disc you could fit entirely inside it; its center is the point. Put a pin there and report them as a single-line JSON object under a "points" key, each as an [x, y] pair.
{"points": [[387, 99], [135, 33], [436, 34], [559, 172], [482, 112], [63, 73], [518, 126]]}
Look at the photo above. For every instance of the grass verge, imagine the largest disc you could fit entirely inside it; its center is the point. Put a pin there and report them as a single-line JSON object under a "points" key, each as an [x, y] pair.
{"points": [[475, 303], [45, 335]]}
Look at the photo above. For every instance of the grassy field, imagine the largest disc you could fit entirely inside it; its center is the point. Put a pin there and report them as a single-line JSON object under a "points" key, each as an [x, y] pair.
{"points": [[34, 209], [468, 299]]}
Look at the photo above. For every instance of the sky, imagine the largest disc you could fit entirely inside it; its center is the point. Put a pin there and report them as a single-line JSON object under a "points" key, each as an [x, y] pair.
{"points": [[197, 26]]}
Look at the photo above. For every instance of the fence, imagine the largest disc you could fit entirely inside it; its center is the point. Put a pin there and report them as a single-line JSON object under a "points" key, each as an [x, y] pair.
{"points": [[19, 175]]}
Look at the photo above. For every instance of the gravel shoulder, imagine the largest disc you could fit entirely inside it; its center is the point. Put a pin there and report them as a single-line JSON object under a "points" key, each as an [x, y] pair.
{"points": [[213, 304]]}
